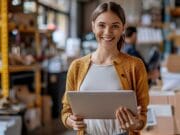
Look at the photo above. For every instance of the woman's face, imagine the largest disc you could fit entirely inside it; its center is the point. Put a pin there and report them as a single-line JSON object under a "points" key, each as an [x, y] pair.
{"points": [[108, 29]]}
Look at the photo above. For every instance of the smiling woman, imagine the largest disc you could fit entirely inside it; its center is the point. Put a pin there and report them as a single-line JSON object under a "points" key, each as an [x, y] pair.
{"points": [[108, 29], [108, 69]]}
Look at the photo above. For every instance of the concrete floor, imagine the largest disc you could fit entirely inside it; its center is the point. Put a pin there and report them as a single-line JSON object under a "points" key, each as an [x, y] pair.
{"points": [[54, 128]]}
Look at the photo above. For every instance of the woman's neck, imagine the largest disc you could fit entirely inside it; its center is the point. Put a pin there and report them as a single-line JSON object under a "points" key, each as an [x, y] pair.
{"points": [[104, 57]]}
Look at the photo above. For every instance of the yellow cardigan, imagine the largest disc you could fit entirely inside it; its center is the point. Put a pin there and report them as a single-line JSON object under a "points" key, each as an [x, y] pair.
{"points": [[132, 75]]}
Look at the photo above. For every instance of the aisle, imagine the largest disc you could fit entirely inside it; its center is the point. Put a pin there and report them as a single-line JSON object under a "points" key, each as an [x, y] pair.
{"points": [[55, 128]]}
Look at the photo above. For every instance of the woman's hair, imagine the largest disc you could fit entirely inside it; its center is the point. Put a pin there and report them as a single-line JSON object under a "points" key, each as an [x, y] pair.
{"points": [[115, 8]]}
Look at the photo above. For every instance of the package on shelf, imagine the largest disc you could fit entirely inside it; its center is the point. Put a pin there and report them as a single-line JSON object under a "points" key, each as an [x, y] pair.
{"points": [[146, 19], [173, 63], [149, 35], [16, 59], [167, 111], [32, 118], [23, 95], [170, 76], [73, 47], [3, 102], [46, 109], [89, 46], [26, 20]]}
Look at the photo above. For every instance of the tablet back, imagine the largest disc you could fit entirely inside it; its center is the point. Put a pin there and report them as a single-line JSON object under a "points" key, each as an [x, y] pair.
{"points": [[101, 105]]}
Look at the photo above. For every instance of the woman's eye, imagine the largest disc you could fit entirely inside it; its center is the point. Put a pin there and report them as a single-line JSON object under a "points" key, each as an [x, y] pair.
{"points": [[101, 25], [115, 26]]}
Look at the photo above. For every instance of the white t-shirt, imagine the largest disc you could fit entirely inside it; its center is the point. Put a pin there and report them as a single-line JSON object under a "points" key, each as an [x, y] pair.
{"points": [[100, 77]]}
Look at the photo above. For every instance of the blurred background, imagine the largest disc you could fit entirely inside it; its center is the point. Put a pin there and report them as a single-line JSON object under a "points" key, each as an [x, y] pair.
{"points": [[40, 38]]}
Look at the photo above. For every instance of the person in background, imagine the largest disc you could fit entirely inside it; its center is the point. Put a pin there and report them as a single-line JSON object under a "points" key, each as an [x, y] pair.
{"points": [[152, 66], [108, 69], [130, 44]]}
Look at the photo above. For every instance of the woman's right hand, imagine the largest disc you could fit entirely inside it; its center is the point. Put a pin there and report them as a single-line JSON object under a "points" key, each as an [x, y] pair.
{"points": [[75, 122]]}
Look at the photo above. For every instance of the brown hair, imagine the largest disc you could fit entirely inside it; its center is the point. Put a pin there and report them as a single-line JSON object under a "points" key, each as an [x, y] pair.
{"points": [[115, 8]]}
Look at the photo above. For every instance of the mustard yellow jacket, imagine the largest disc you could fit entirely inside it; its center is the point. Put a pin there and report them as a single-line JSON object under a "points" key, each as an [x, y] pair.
{"points": [[132, 75]]}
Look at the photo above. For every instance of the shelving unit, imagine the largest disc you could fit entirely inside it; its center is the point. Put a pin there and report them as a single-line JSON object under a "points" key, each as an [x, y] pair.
{"points": [[6, 69], [28, 30], [22, 68], [175, 11], [150, 43], [4, 48], [172, 40]]}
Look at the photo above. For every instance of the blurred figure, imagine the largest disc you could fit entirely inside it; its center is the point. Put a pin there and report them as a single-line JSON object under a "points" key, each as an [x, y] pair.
{"points": [[130, 44], [153, 65]]}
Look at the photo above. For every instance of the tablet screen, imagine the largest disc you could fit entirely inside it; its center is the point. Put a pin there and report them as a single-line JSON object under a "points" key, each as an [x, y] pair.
{"points": [[101, 104]]}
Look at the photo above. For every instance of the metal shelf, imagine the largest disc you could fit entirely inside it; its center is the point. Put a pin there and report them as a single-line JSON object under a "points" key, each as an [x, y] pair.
{"points": [[6, 69], [21, 68]]}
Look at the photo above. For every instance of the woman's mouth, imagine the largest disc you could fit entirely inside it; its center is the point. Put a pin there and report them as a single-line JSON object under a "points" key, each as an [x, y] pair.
{"points": [[107, 39]]}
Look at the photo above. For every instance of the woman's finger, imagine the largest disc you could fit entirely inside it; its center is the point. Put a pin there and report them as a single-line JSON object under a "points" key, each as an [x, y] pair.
{"points": [[79, 126], [73, 117], [76, 118], [139, 109], [124, 116], [79, 122], [120, 120], [130, 116]]}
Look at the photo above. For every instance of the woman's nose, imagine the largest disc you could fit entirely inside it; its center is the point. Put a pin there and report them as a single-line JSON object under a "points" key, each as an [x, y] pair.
{"points": [[108, 30]]}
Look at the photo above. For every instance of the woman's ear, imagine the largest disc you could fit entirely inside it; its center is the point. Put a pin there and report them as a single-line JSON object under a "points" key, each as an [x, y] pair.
{"points": [[93, 26], [124, 28]]}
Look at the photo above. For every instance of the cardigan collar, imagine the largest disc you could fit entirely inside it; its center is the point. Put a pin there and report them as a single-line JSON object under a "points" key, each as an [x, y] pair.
{"points": [[118, 59]]}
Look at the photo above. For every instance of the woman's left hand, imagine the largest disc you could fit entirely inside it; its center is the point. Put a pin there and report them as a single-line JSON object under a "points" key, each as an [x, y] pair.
{"points": [[128, 120]]}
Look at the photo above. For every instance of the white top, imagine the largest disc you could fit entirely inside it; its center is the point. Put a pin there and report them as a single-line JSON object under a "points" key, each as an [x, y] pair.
{"points": [[103, 78]]}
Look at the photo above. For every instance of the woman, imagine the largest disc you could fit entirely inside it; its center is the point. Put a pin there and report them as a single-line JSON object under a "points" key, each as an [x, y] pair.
{"points": [[107, 68]]}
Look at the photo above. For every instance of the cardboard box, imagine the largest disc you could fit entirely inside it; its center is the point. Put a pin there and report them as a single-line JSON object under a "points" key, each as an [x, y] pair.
{"points": [[32, 118], [175, 101], [173, 63], [23, 95], [160, 97], [171, 98], [164, 120], [159, 100], [177, 41], [165, 126]]}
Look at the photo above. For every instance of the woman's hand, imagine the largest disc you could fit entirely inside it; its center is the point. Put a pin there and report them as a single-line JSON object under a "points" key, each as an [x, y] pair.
{"points": [[127, 120], [75, 122]]}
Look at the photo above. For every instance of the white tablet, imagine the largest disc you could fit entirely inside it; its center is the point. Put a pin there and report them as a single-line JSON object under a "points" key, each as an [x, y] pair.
{"points": [[101, 105]]}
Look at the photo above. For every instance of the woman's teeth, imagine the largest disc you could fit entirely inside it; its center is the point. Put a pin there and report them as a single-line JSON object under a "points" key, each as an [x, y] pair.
{"points": [[107, 38]]}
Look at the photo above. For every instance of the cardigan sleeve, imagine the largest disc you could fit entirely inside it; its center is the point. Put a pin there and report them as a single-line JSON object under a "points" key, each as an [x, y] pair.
{"points": [[142, 90], [70, 85]]}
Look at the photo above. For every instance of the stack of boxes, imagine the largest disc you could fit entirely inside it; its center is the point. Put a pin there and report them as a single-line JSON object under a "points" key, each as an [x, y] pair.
{"points": [[167, 111], [165, 101]]}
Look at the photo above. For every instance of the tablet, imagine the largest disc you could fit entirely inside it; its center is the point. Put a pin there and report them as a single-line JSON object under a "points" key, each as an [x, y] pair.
{"points": [[101, 104]]}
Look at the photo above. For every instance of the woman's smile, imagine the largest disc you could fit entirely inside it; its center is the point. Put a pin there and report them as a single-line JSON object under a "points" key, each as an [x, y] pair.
{"points": [[108, 38]]}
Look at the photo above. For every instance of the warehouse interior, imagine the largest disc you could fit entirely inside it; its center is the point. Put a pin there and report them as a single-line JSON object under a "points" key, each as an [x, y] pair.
{"points": [[39, 39]]}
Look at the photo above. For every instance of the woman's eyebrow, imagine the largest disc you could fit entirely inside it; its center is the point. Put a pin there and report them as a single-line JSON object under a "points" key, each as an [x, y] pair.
{"points": [[101, 22], [112, 23], [116, 23]]}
